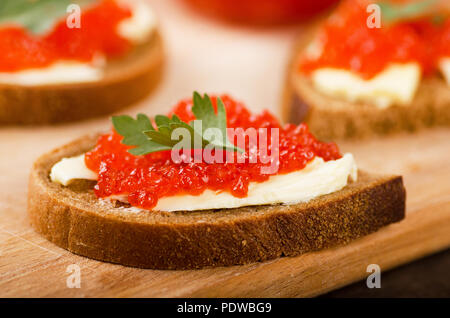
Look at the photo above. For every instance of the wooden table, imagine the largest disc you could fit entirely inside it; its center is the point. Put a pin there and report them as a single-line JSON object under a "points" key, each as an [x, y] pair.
{"points": [[249, 65], [424, 278]]}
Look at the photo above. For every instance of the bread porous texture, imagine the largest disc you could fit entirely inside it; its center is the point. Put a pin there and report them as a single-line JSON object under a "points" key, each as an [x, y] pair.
{"points": [[125, 81], [330, 118], [75, 219]]}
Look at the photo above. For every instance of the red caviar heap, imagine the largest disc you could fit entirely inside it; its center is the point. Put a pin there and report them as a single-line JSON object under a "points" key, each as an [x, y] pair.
{"points": [[147, 178], [348, 43], [21, 50]]}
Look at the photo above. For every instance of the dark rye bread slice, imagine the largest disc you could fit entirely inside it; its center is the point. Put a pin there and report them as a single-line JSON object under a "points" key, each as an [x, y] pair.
{"points": [[73, 218], [330, 118], [126, 80]]}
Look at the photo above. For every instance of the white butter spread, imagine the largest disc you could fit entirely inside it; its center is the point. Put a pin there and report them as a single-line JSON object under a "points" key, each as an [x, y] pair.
{"points": [[316, 179], [61, 72], [397, 84], [444, 65], [140, 25], [69, 169]]}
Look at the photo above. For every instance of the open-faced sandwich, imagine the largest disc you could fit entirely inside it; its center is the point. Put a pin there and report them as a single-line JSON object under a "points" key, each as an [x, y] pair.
{"points": [[211, 184], [64, 60], [373, 68]]}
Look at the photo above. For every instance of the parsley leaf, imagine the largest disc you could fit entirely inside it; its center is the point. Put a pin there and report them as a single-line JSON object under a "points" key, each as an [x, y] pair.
{"points": [[139, 132], [204, 111], [166, 126], [392, 13], [133, 132]]}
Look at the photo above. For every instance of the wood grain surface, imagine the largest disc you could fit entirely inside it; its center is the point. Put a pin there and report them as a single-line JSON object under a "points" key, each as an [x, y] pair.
{"points": [[30, 266]]}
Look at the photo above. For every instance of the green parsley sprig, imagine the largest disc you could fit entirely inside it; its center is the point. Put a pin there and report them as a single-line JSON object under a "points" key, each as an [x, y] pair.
{"points": [[392, 13], [140, 132]]}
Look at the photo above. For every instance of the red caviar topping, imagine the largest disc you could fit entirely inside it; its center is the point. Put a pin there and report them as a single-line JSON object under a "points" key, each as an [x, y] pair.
{"points": [[348, 43], [443, 44], [147, 178], [21, 50]]}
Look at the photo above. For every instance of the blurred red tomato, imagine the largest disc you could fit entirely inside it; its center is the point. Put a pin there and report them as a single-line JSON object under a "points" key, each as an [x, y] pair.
{"points": [[262, 12]]}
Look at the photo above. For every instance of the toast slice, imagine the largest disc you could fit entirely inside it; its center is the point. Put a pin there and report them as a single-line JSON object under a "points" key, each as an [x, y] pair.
{"points": [[73, 218], [125, 81], [331, 118]]}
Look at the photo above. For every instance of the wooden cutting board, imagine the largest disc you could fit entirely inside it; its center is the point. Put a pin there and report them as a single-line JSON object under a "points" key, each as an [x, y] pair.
{"points": [[32, 266], [205, 56]]}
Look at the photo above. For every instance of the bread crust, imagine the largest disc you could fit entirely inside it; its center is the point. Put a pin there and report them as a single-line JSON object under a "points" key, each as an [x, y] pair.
{"points": [[125, 81], [74, 219], [331, 118]]}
